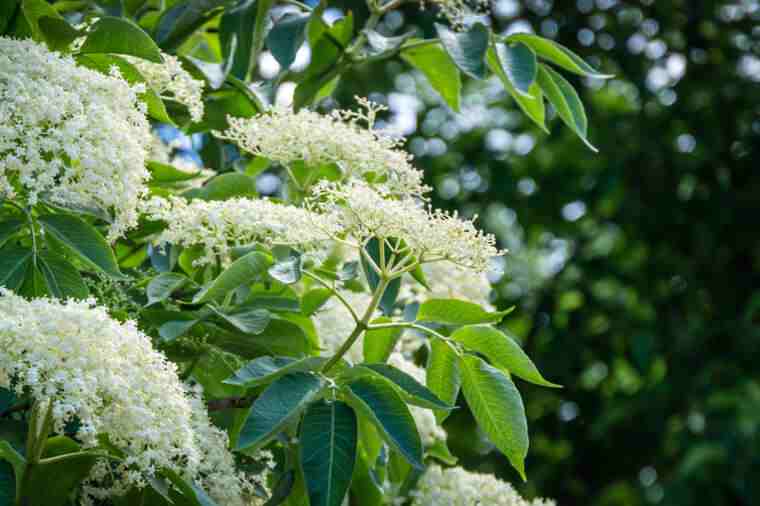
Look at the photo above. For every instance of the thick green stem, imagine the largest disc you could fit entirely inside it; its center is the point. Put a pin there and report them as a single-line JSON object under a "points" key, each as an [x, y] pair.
{"points": [[361, 325]]}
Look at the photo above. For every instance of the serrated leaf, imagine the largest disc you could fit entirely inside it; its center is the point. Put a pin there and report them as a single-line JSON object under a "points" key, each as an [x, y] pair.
{"points": [[286, 37], [457, 312], [379, 401], [566, 101], [250, 321], [501, 350], [442, 375], [278, 405], [120, 36], [61, 277], [531, 104], [162, 286], [83, 240], [243, 270], [557, 54], [263, 370], [414, 392], [497, 407], [467, 48], [378, 344], [328, 451], [442, 74]]}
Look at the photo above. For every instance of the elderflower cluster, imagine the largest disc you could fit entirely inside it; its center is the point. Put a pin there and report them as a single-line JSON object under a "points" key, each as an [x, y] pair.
{"points": [[219, 226], [172, 81], [449, 281], [458, 487], [70, 134], [457, 11], [337, 138], [88, 367], [430, 431], [430, 235]]}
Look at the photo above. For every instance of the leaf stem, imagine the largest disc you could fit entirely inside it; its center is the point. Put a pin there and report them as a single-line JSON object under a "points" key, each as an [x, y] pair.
{"points": [[334, 291]]}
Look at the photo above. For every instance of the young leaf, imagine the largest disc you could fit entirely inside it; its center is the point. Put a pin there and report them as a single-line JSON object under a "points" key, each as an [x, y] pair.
{"points": [[286, 37], [163, 285], [243, 270], [378, 344], [566, 101], [497, 407], [83, 240], [557, 54], [501, 350], [531, 104], [442, 375], [414, 392], [440, 71], [376, 399], [467, 49], [120, 36], [263, 370], [328, 451], [457, 312], [278, 405]]}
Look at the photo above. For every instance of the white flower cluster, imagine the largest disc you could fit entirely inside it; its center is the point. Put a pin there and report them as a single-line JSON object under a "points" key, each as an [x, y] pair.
{"points": [[172, 81], [364, 211], [449, 281], [430, 431], [336, 138], [458, 487], [72, 134], [219, 226], [106, 375], [457, 11]]}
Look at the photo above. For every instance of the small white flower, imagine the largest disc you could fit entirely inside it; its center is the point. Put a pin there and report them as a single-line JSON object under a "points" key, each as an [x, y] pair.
{"points": [[457, 11], [70, 133]]}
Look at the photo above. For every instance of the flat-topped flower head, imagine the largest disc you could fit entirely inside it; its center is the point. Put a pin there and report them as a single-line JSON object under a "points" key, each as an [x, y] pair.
{"points": [[219, 226], [458, 487], [106, 375], [457, 11], [70, 134], [345, 138], [364, 212], [170, 80]]}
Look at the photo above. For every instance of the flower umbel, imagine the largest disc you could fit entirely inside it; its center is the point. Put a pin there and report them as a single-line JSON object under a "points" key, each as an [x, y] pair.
{"points": [[337, 138], [69, 133]]}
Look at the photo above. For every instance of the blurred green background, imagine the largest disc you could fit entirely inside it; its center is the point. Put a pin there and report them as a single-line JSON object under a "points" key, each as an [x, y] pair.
{"points": [[635, 271]]}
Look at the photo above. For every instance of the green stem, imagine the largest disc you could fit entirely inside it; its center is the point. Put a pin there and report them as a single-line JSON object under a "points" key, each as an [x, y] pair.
{"points": [[415, 326], [334, 291], [361, 325]]}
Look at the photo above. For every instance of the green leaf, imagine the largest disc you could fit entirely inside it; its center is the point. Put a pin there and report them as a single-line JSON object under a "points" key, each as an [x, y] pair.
{"points": [[33, 11], [286, 37], [457, 312], [315, 299], [278, 405], [82, 240], [61, 277], [162, 286], [50, 482], [531, 104], [179, 22], [245, 22], [226, 186], [557, 54], [501, 350], [263, 370], [57, 32], [378, 344], [243, 270], [220, 104], [378, 400], [14, 458], [328, 451], [287, 271], [497, 407], [190, 491], [251, 321], [380, 44], [440, 451], [414, 392], [164, 173], [8, 11], [467, 49], [281, 337], [442, 375], [9, 227], [566, 101], [14, 262], [120, 36], [171, 330], [440, 71], [519, 63]]}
